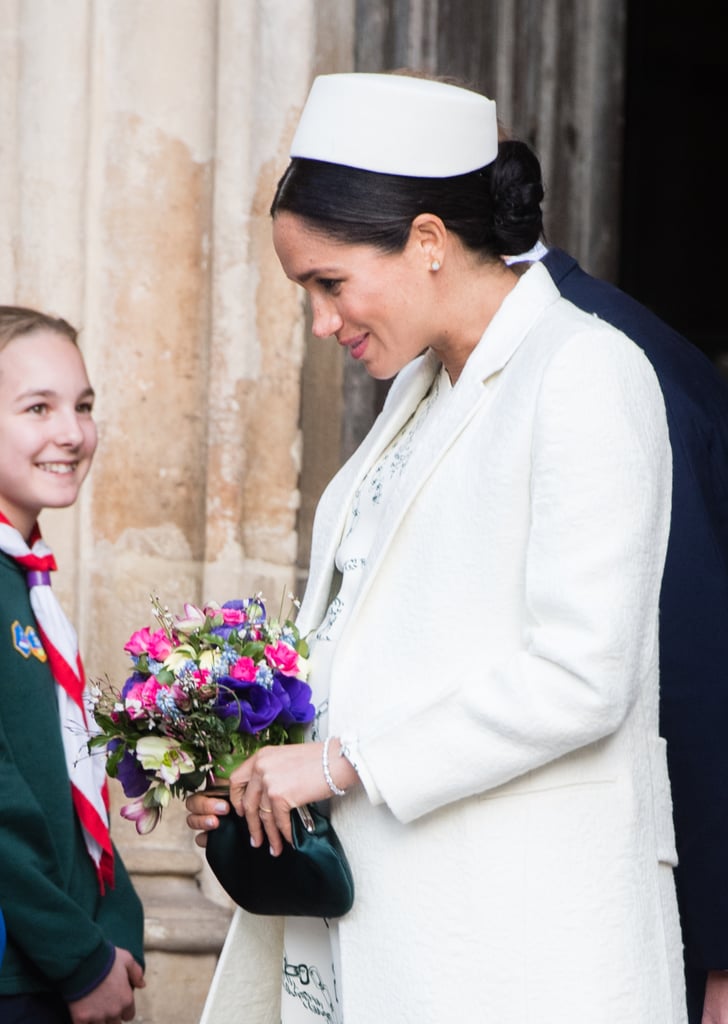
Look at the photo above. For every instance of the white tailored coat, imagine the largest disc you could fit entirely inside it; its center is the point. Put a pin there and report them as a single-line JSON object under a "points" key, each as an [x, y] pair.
{"points": [[497, 677]]}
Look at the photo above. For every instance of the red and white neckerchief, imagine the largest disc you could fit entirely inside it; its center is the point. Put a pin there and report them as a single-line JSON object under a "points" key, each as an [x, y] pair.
{"points": [[87, 774]]}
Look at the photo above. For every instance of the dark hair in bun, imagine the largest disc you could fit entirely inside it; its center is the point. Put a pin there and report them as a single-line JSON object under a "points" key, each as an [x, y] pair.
{"points": [[495, 210]]}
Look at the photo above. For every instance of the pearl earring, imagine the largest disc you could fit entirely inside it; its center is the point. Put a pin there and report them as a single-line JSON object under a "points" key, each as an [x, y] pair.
{"points": [[435, 265]]}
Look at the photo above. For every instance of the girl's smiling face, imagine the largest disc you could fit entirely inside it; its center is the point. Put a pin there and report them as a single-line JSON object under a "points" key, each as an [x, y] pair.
{"points": [[377, 305], [47, 431]]}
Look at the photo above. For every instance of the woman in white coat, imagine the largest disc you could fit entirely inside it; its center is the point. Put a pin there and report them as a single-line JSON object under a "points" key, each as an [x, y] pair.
{"points": [[482, 604]]}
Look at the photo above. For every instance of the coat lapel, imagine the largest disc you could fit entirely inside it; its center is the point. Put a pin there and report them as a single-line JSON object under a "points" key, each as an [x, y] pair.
{"points": [[408, 390], [504, 335]]}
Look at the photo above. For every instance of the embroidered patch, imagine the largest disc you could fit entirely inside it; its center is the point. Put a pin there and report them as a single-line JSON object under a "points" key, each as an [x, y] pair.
{"points": [[26, 642]]}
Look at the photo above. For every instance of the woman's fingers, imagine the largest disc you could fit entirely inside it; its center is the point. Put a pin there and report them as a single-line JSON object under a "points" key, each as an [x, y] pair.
{"points": [[263, 816], [268, 817]]}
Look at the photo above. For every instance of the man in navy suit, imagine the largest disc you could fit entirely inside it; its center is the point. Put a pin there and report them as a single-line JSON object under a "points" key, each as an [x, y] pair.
{"points": [[693, 625]]}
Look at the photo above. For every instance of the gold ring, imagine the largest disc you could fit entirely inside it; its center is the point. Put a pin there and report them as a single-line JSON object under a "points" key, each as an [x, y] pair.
{"points": [[265, 810]]}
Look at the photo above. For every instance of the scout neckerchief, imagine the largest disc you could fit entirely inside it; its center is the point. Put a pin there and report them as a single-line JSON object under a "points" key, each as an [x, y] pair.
{"points": [[87, 774]]}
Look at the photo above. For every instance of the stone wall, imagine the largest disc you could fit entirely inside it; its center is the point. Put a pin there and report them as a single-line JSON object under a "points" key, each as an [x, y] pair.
{"points": [[140, 144]]}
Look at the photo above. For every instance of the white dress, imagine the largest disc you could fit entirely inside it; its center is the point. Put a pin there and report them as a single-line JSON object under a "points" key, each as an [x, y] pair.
{"points": [[310, 983]]}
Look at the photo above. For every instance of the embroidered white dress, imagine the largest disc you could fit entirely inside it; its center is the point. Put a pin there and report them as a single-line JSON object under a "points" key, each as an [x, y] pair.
{"points": [[310, 986]]}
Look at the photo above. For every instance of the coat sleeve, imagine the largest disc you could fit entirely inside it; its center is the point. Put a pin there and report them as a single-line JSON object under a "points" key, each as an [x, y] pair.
{"points": [[599, 517]]}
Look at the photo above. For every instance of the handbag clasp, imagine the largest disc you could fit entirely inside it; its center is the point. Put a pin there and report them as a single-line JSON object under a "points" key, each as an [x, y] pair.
{"points": [[305, 815]]}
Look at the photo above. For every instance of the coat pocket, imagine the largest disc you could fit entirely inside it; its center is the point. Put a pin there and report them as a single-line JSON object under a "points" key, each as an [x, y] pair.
{"points": [[662, 802], [597, 762]]}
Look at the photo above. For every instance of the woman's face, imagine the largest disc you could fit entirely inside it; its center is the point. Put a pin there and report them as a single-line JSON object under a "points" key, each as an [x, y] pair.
{"points": [[378, 306]]}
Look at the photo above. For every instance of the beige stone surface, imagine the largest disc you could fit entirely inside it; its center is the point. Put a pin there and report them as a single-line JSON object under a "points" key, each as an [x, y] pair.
{"points": [[140, 145], [176, 988]]}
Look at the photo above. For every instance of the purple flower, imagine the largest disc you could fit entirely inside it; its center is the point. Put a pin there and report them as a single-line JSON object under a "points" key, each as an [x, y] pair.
{"points": [[137, 677], [222, 631], [256, 706], [295, 698], [134, 780]]}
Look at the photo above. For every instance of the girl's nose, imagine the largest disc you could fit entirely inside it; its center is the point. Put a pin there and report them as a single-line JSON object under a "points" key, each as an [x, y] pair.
{"points": [[69, 433]]}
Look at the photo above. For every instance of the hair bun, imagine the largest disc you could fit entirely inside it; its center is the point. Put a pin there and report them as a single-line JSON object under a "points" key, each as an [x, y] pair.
{"points": [[516, 191]]}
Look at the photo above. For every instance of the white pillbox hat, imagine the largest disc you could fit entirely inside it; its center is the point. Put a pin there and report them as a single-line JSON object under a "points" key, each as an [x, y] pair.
{"points": [[395, 124]]}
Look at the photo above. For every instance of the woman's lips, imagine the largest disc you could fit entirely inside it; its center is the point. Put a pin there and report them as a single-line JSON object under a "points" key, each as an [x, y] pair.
{"points": [[356, 346]]}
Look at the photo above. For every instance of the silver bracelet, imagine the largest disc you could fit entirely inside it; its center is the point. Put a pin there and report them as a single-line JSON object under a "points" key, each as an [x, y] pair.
{"points": [[336, 790]]}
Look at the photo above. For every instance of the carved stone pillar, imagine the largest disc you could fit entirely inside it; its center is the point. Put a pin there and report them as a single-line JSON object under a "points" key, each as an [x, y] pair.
{"points": [[141, 143]]}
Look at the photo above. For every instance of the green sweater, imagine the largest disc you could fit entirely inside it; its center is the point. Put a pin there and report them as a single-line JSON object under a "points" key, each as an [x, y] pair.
{"points": [[60, 931]]}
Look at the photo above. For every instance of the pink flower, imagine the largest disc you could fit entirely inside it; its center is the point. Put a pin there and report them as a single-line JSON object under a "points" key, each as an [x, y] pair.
{"points": [[201, 676], [157, 645], [138, 642], [282, 657], [233, 616], [181, 697], [243, 670], [144, 818], [193, 612], [142, 696], [193, 621]]}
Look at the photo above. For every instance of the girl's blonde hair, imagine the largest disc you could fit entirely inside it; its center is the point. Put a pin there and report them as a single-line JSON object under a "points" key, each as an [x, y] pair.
{"points": [[18, 320]]}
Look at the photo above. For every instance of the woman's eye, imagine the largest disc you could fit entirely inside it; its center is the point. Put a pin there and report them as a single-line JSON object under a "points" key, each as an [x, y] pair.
{"points": [[38, 409], [85, 407], [329, 284]]}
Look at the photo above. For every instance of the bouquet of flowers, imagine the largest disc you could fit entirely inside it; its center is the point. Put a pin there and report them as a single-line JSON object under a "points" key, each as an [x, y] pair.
{"points": [[207, 690]]}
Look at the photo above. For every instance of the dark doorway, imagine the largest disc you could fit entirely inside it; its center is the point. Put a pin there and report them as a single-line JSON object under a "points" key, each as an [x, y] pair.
{"points": [[674, 249]]}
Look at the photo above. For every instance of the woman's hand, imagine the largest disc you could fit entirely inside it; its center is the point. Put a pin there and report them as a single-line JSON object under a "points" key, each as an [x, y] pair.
{"points": [[266, 788]]}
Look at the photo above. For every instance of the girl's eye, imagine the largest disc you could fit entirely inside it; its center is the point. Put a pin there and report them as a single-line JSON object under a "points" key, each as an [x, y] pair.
{"points": [[38, 409], [329, 284], [85, 407]]}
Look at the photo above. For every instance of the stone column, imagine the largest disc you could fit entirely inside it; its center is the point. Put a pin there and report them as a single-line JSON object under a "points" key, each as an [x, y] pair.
{"points": [[141, 143]]}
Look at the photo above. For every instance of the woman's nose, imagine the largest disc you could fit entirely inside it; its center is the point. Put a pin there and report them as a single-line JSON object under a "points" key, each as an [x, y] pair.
{"points": [[326, 319]]}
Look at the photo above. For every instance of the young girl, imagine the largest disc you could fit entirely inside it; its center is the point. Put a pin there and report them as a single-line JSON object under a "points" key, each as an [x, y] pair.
{"points": [[74, 922]]}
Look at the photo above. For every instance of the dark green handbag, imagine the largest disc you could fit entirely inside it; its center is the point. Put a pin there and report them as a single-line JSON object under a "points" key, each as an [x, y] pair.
{"points": [[312, 878]]}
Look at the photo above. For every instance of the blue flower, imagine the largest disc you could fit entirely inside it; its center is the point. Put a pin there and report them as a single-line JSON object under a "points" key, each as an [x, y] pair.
{"points": [[256, 706], [295, 698], [264, 676], [168, 706], [288, 636]]}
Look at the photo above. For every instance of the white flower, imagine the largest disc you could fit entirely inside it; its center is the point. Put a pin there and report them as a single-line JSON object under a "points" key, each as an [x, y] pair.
{"points": [[178, 657], [210, 659], [163, 756]]}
